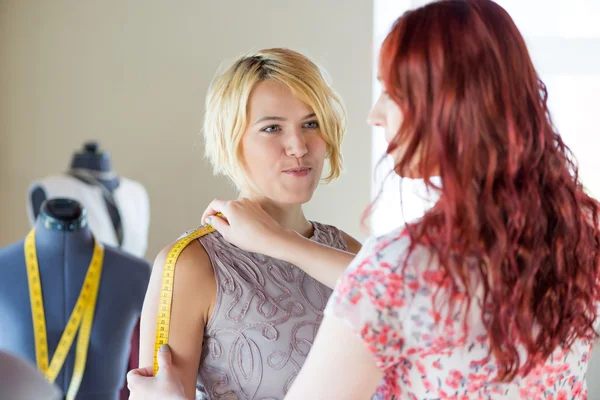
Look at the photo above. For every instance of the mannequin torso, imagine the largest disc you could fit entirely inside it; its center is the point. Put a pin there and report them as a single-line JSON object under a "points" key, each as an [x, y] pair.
{"points": [[122, 221], [63, 258]]}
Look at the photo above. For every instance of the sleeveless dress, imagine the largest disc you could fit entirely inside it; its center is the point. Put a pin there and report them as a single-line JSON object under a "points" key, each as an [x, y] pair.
{"points": [[265, 320]]}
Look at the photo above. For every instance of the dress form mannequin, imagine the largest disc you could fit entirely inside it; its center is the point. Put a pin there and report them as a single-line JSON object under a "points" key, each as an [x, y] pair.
{"points": [[118, 208], [64, 246]]}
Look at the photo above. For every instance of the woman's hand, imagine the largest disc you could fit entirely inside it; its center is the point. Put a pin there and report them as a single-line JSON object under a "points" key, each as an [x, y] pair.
{"points": [[246, 225], [165, 385]]}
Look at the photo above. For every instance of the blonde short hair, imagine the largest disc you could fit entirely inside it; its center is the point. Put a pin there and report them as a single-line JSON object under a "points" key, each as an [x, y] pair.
{"points": [[227, 102]]}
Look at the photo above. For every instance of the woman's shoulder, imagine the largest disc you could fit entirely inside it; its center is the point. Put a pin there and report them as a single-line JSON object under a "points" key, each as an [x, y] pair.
{"points": [[188, 256], [373, 296], [186, 253], [333, 236], [390, 256], [393, 243]]}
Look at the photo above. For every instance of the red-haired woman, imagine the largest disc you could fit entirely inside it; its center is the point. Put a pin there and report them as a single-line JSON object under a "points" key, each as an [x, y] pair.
{"points": [[493, 293]]}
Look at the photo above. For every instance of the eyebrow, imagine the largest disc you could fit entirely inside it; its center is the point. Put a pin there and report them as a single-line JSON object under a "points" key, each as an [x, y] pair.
{"points": [[274, 118]]}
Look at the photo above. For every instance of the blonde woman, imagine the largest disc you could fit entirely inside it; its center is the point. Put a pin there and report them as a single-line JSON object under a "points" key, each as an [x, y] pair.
{"points": [[242, 323]]}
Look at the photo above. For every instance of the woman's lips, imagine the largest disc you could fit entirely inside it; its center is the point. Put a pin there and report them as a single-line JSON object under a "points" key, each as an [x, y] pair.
{"points": [[298, 172]]}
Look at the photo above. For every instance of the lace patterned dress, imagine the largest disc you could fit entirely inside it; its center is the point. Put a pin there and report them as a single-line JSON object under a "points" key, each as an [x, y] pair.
{"points": [[265, 320]]}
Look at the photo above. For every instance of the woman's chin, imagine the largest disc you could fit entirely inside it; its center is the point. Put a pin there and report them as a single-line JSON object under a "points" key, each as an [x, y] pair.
{"points": [[294, 197]]}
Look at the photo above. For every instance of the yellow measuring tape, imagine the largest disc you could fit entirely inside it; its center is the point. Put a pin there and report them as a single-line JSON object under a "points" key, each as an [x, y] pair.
{"points": [[163, 320], [81, 318]]}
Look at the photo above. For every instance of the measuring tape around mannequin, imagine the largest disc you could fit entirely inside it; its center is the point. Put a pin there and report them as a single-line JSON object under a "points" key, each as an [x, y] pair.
{"points": [[163, 320], [81, 318]]}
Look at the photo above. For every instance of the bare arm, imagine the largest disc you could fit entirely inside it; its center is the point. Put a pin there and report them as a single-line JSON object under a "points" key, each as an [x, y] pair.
{"points": [[245, 224], [339, 366], [322, 262], [354, 245], [194, 295]]}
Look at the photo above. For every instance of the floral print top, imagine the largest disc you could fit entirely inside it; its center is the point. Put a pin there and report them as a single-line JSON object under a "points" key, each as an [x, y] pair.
{"points": [[425, 354]]}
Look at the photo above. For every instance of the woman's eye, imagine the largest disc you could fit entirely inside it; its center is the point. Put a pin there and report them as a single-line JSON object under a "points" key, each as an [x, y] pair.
{"points": [[311, 125], [271, 129]]}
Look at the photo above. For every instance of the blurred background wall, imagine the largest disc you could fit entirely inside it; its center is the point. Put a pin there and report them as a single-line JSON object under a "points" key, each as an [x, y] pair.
{"points": [[133, 75]]}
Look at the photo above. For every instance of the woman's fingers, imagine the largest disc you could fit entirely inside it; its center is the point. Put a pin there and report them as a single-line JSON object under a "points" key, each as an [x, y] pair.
{"points": [[216, 206], [219, 223]]}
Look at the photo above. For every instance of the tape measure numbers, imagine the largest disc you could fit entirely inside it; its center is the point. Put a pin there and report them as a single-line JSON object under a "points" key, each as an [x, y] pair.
{"points": [[163, 320], [81, 318]]}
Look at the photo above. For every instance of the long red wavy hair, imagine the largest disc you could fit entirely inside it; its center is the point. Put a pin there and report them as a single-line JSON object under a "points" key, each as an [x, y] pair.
{"points": [[511, 202]]}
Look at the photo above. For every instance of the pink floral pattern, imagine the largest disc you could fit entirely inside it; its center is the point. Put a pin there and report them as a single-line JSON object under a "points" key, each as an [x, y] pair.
{"points": [[425, 354]]}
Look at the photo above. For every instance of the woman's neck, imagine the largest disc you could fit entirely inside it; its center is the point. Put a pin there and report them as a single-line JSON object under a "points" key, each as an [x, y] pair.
{"points": [[289, 216]]}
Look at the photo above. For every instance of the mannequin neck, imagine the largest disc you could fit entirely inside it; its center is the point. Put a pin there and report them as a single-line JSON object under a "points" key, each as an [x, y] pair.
{"points": [[55, 239], [91, 158], [92, 165], [289, 216], [62, 215], [62, 223]]}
